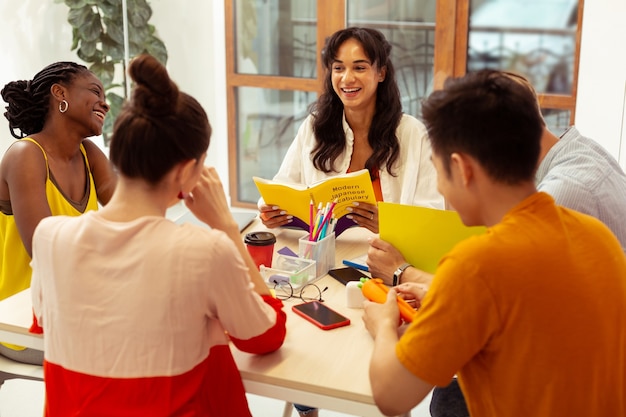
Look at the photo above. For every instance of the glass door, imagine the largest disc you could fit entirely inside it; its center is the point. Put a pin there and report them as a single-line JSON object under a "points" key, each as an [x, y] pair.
{"points": [[409, 25], [276, 81]]}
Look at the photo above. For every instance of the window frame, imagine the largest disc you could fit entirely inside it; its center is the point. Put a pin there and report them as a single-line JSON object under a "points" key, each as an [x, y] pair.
{"points": [[450, 59]]}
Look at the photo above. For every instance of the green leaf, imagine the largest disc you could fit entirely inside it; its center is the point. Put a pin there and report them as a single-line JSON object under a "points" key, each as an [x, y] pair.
{"points": [[91, 29], [157, 49], [87, 58], [114, 3], [112, 49], [139, 34], [115, 30], [87, 51], [79, 16], [115, 106], [111, 10], [115, 100], [139, 12], [76, 4], [136, 48], [75, 39], [115, 86], [105, 71]]}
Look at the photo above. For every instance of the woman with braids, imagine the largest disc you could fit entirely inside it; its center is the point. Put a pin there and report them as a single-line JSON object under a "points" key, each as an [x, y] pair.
{"points": [[357, 123], [52, 169], [154, 303]]}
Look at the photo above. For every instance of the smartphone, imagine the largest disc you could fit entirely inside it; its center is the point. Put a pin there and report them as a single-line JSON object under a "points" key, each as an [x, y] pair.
{"points": [[347, 274], [323, 317]]}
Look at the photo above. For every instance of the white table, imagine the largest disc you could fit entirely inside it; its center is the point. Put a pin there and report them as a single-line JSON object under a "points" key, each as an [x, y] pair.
{"points": [[325, 369], [16, 316]]}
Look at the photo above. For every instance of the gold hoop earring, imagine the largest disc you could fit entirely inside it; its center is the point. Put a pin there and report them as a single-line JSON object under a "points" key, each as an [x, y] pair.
{"points": [[63, 108]]}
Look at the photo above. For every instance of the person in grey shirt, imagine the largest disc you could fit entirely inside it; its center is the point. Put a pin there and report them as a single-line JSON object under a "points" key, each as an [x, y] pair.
{"points": [[581, 175]]}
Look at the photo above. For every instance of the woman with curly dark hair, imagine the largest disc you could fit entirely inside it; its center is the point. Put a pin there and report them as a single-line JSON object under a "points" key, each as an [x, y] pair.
{"points": [[52, 169], [358, 123]]}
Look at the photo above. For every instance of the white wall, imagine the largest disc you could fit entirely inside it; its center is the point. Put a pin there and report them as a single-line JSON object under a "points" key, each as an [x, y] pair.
{"points": [[34, 34], [194, 34], [602, 76]]}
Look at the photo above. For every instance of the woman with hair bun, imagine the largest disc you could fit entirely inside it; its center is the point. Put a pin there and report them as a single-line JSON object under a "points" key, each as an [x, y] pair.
{"points": [[52, 169], [154, 303]]}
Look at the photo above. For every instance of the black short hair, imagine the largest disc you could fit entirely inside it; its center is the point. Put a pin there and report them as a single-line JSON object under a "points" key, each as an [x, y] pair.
{"points": [[491, 116]]}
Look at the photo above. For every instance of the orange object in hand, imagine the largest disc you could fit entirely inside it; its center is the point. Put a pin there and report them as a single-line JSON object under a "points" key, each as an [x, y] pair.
{"points": [[374, 290]]}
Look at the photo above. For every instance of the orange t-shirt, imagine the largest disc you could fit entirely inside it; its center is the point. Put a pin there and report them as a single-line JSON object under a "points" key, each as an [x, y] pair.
{"points": [[531, 315]]}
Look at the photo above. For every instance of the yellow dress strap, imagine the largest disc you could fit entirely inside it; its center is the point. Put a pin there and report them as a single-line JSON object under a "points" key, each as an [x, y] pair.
{"points": [[45, 156]]}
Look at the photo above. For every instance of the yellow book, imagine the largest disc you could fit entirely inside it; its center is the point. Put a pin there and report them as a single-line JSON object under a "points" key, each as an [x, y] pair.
{"points": [[423, 235], [295, 199]]}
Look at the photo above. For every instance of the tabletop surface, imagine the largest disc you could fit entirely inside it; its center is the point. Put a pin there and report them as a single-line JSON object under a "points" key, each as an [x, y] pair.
{"points": [[328, 362], [16, 312]]}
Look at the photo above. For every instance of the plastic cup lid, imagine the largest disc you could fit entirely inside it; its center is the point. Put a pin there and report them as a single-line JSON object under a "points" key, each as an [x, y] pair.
{"points": [[259, 239]]}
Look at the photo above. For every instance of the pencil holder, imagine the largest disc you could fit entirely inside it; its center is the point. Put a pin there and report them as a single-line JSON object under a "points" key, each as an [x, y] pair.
{"points": [[321, 251]]}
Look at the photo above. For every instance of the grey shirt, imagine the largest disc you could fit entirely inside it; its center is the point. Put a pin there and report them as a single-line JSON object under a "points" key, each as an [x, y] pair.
{"points": [[583, 176]]}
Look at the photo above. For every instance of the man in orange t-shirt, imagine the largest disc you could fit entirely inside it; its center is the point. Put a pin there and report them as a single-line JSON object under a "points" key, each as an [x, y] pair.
{"points": [[531, 316]]}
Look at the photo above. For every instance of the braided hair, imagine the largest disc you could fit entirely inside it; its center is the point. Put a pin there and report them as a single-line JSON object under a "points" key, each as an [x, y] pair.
{"points": [[29, 100], [159, 127]]}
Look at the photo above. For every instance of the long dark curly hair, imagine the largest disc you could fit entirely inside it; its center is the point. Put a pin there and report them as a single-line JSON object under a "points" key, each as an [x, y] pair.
{"points": [[327, 111]]}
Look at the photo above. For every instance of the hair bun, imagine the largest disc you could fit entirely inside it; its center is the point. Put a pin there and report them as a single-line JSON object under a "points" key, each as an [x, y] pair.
{"points": [[154, 92]]}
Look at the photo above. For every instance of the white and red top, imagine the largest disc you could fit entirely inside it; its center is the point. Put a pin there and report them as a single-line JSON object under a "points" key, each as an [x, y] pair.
{"points": [[138, 317]]}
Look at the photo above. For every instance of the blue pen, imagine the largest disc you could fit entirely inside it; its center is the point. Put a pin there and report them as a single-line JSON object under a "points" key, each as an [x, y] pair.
{"points": [[358, 263]]}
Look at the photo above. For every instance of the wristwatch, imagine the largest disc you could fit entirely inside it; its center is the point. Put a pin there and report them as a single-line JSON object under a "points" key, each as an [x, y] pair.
{"points": [[398, 273]]}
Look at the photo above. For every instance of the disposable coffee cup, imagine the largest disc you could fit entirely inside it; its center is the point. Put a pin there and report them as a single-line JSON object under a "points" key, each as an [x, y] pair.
{"points": [[261, 247]]}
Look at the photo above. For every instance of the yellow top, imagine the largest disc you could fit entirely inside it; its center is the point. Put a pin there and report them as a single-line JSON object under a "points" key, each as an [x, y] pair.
{"points": [[15, 271]]}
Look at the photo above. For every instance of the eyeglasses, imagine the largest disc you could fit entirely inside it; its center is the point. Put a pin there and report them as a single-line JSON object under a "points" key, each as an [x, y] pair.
{"points": [[309, 292]]}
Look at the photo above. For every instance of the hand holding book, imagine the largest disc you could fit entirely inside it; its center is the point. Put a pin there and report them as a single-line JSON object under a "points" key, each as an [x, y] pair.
{"points": [[295, 199], [365, 215]]}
